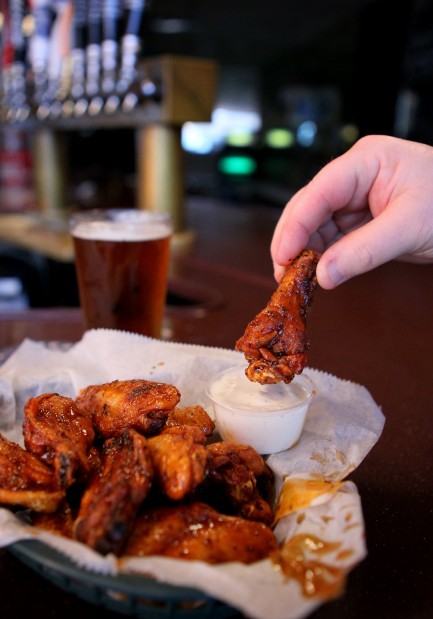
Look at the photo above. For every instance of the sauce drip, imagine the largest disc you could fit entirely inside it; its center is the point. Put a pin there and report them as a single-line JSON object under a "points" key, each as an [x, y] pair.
{"points": [[316, 578], [297, 494]]}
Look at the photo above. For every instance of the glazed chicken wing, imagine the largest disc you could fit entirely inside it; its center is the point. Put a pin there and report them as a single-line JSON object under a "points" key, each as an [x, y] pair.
{"points": [[275, 341], [25, 481], [60, 522], [191, 416], [113, 497], [180, 458], [140, 404], [57, 432], [196, 531], [243, 476]]}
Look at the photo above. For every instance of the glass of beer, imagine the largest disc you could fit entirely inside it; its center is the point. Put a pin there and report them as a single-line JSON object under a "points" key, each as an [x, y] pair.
{"points": [[122, 263]]}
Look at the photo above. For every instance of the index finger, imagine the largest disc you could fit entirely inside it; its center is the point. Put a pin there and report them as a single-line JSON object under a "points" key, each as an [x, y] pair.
{"points": [[345, 182]]}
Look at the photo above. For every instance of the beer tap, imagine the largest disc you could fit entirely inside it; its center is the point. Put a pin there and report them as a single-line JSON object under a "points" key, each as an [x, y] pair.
{"points": [[6, 73], [59, 68], [128, 89], [19, 109], [78, 57], [51, 105], [39, 48], [111, 15], [92, 102]]}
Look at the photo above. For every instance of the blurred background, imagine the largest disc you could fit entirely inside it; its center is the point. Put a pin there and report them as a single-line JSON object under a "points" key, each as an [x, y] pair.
{"points": [[295, 84]]}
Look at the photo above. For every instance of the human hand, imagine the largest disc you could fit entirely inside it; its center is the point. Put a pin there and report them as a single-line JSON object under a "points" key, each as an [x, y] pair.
{"points": [[372, 204]]}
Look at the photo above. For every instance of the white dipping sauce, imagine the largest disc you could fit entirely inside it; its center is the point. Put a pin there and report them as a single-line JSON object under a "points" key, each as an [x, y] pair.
{"points": [[234, 389], [270, 418]]}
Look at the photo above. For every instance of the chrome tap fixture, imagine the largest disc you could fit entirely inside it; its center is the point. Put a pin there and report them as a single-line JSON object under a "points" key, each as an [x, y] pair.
{"points": [[73, 59]]}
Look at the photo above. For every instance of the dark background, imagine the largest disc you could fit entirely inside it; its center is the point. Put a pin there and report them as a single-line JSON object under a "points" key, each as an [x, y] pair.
{"points": [[363, 63]]}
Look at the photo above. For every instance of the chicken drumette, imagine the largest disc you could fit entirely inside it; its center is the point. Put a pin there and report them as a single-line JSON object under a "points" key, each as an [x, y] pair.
{"points": [[275, 341]]}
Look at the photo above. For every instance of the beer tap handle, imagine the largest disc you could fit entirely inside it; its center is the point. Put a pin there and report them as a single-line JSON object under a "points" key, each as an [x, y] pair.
{"points": [[59, 66], [78, 52], [19, 109], [59, 55], [93, 59], [78, 57], [136, 87], [112, 12], [7, 60], [16, 12], [39, 46], [111, 16], [131, 43]]}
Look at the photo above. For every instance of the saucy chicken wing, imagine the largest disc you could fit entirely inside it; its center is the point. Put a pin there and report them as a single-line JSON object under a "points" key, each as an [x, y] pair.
{"points": [[275, 341], [191, 416], [25, 481], [140, 404], [113, 496], [198, 532], [179, 457], [57, 432], [60, 522], [243, 476]]}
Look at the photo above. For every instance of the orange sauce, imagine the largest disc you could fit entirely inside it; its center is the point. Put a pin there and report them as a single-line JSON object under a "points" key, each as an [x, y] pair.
{"points": [[315, 577], [298, 493]]}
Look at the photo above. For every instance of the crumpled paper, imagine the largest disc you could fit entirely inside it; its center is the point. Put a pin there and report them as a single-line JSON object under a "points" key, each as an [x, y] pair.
{"points": [[343, 423]]}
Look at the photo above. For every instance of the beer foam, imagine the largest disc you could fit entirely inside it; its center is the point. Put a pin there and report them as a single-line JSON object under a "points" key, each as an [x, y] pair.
{"points": [[121, 231]]}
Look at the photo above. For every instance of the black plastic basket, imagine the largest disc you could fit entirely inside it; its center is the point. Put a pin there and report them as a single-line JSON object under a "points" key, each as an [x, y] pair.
{"points": [[128, 594]]}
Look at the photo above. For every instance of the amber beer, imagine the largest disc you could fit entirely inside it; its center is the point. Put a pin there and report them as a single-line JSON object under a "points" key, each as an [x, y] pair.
{"points": [[122, 262]]}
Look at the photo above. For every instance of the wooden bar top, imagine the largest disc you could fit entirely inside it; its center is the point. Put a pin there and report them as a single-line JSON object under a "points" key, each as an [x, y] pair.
{"points": [[375, 330]]}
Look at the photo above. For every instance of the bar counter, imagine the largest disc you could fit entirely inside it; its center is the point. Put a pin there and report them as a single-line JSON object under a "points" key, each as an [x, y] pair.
{"points": [[376, 330]]}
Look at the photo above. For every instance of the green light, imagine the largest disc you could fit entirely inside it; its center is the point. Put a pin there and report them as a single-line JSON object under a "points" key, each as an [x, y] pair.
{"points": [[237, 164], [240, 138], [279, 138], [349, 133]]}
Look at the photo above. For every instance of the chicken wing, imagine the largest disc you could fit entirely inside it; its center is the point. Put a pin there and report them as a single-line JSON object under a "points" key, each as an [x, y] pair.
{"points": [[243, 476], [58, 433], [196, 531], [25, 481], [113, 497], [191, 416], [60, 522], [275, 341], [179, 457], [140, 404]]}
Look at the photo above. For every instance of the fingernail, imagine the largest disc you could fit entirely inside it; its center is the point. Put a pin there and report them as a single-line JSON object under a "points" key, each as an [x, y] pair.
{"points": [[278, 272], [334, 274]]}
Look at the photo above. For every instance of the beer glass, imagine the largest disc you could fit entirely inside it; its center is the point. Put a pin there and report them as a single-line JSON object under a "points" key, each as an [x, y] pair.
{"points": [[122, 263]]}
